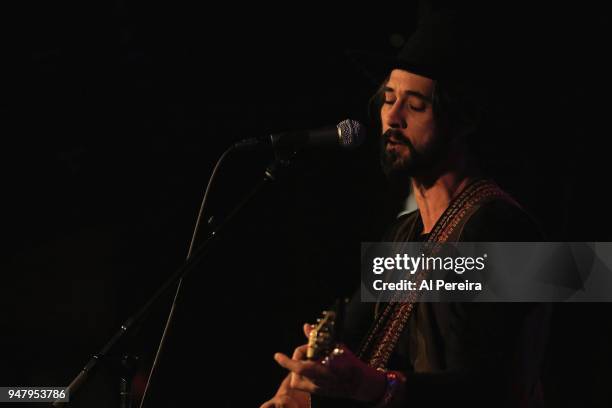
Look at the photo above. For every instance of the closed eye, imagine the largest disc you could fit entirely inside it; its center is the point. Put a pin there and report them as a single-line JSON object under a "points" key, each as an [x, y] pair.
{"points": [[419, 108]]}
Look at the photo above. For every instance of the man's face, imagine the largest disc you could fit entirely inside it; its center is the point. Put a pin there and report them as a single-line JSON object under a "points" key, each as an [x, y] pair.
{"points": [[410, 141]]}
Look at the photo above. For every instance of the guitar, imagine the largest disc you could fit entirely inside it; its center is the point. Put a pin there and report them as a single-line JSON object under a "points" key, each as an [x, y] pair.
{"points": [[328, 331], [322, 338]]}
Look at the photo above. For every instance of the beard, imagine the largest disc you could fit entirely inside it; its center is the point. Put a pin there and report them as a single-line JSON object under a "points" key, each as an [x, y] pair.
{"points": [[399, 167]]}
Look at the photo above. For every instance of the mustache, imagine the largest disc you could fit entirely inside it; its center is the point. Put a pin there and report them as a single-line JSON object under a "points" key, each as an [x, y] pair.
{"points": [[397, 135]]}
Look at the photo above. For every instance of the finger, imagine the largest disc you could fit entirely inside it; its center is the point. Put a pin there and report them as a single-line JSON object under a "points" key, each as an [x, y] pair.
{"points": [[319, 386], [304, 384], [273, 403], [300, 352], [311, 369], [286, 362], [316, 372], [307, 329], [278, 402]]}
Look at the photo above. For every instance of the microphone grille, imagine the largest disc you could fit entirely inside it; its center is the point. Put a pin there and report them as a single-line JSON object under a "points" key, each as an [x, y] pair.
{"points": [[351, 133]]}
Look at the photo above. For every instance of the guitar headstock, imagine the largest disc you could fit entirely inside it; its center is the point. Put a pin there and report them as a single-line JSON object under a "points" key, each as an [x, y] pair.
{"points": [[322, 338]]}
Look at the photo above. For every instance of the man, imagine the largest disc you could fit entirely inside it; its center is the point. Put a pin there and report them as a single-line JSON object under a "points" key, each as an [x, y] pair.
{"points": [[432, 354]]}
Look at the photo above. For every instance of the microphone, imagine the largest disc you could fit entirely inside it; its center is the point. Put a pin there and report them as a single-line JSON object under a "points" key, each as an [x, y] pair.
{"points": [[346, 134]]}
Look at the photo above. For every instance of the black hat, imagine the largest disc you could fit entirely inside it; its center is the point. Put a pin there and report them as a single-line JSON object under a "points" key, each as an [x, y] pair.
{"points": [[443, 47]]}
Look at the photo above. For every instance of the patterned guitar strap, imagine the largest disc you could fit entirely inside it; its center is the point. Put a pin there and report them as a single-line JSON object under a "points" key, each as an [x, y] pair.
{"points": [[389, 324]]}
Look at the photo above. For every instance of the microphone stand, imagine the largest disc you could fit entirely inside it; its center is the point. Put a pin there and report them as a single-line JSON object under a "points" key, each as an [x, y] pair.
{"points": [[281, 160]]}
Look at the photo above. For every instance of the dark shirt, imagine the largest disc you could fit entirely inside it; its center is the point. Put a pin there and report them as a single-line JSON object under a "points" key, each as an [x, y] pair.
{"points": [[472, 353]]}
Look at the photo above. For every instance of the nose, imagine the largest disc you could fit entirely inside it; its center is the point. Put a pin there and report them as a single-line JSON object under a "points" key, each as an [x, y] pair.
{"points": [[394, 118]]}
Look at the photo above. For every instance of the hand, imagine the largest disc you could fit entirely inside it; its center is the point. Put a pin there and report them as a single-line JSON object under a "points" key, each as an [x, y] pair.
{"points": [[341, 374], [286, 396], [285, 401]]}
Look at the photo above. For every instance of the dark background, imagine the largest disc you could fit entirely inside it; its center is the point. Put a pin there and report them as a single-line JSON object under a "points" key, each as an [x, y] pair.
{"points": [[114, 114]]}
